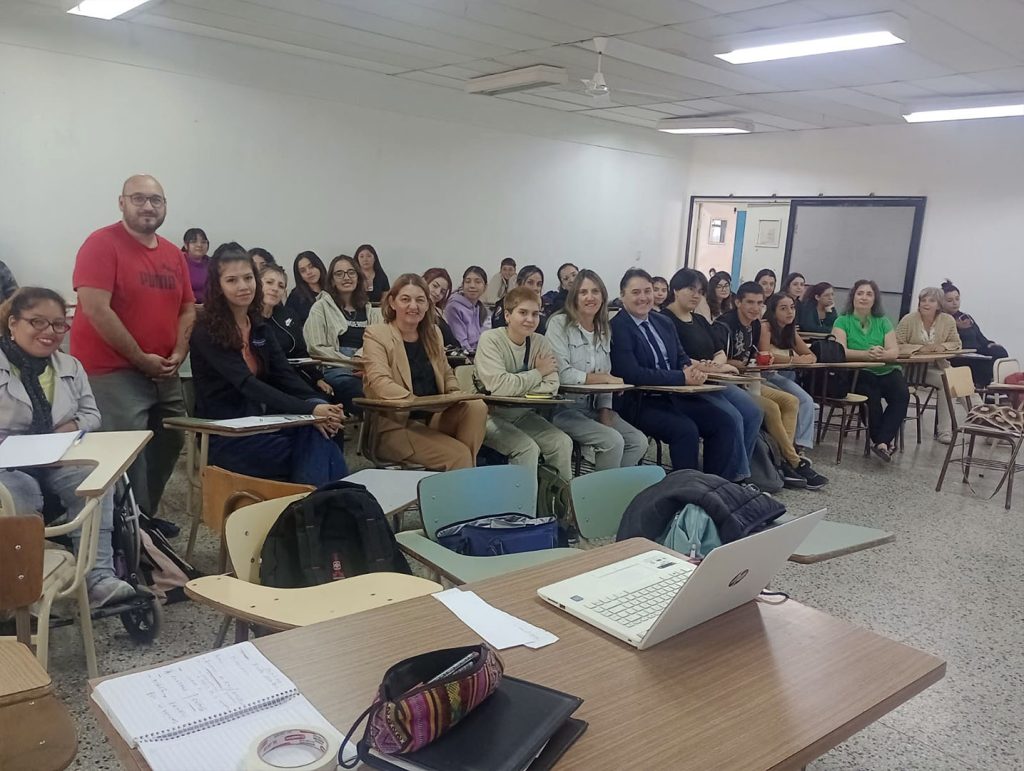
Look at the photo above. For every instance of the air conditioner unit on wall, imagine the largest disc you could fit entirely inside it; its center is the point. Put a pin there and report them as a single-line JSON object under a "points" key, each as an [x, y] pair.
{"points": [[537, 76]]}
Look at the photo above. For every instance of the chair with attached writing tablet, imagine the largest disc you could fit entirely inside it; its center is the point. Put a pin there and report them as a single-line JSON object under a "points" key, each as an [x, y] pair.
{"points": [[243, 598], [599, 499], [467, 494]]}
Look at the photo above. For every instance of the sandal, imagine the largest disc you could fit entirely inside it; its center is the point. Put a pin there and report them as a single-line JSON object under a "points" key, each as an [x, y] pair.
{"points": [[882, 451]]}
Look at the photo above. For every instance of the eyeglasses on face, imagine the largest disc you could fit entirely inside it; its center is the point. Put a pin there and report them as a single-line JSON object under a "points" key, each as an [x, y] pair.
{"points": [[139, 199], [345, 274], [60, 326]]}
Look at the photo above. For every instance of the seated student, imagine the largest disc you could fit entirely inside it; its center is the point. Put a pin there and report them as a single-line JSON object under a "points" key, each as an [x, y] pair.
{"points": [[532, 278], [284, 325], [465, 312], [261, 258], [719, 298], [740, 329], [779, 408], [580, 336], [646, 351], [867, 335], [239, 371], [196, 247], [42, 391], [501, 281], [310, 280], [553, 301], [516, 361], [374, 279], [972, 337], [766, 279], [929, 330], [660, 284], [817, 311], [439, 287], [405, 357], [793, 285], [336, 324]]}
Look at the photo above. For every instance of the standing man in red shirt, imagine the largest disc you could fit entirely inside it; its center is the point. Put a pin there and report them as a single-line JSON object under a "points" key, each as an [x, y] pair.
{"points": [[135, 316]]}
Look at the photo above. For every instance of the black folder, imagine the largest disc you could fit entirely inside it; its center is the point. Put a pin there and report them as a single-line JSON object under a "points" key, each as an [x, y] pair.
{"points": [[521, 726]]}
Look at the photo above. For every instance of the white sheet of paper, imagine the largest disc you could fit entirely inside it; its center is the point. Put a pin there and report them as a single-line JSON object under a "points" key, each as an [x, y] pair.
{"points": [[256, 421], [36, 449], [500, 629]]}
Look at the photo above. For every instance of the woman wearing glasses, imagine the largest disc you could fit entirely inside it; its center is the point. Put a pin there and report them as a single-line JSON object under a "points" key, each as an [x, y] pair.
{"points": [[335, 327], [43, 391]]}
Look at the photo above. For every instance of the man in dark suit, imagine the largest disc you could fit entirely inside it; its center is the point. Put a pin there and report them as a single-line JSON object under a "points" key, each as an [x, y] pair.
{"points": [[646, 351]]}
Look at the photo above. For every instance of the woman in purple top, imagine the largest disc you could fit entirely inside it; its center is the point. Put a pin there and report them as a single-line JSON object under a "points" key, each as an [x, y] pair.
{"points": [[465, 312], [195, 249]]}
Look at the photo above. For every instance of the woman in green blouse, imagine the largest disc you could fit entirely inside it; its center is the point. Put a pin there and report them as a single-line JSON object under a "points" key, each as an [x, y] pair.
{"points": [[867, 335]]}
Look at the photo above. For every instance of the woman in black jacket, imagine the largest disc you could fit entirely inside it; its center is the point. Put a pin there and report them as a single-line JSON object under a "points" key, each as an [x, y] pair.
{"points": [[240, 371], [310, 280], [374, 278]]}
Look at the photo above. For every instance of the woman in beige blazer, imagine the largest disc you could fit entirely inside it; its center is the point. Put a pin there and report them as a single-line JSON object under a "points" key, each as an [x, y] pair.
{"points": [[405, 357], [929, 330]]}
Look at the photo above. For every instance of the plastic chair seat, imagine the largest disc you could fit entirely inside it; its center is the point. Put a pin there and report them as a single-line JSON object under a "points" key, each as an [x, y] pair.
{"points": [[289, 608], [462, 569]]}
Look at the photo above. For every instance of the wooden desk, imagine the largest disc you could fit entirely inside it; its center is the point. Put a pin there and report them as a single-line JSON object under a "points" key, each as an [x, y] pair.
{"points": [[111, 452], [395, 489], [438, 403], [814, 365], [205, 428], [1010, 388], [523, 401], [684, 390], [729, 377], [595, 388], [350, 362], [761, 687]]}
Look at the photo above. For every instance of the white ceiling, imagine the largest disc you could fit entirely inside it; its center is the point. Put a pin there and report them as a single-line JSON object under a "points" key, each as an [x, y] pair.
{"points": [[660, 47]]}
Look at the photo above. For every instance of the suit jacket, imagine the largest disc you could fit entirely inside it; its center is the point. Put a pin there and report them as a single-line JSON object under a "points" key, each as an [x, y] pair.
{"points": [[634, 361], [386, 375]]}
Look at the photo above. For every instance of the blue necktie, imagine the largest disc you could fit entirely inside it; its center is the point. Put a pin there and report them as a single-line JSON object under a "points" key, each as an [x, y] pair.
{"points": [[649, 334]]}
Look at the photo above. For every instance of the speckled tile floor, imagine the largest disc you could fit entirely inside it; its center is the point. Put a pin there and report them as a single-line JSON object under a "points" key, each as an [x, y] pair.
{"points": [[951, 584]]}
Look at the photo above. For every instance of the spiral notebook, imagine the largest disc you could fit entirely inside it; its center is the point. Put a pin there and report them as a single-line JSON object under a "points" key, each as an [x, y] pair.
{"points": [[205, 712]]}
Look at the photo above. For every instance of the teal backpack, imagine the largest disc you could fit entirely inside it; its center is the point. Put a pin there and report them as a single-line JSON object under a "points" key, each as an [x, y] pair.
{"points": [[691, 532]]}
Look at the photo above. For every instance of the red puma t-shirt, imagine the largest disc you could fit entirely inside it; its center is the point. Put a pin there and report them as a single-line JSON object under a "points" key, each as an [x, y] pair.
{"points": [[147, 289]]}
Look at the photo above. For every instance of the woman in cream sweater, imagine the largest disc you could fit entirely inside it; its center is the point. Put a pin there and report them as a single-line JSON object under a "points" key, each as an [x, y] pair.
{"points": [[929, 330]]}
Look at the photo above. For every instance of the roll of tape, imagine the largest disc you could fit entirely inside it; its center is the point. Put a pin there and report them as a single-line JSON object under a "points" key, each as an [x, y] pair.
{"points": [[323, 747]]}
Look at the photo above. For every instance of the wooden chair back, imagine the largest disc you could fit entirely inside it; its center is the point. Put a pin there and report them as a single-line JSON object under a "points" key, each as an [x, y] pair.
{"points": [[21, 568], [599, 499], [224, 491], [246, 531], [959, 382], [469, 493]]}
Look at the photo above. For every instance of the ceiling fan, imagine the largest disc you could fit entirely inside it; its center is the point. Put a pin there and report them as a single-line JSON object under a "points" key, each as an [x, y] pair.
{"points": [[596, 87]]}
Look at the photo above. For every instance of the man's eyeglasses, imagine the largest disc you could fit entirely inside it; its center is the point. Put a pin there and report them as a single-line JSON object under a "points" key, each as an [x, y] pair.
{"points": [[345, 274], [138, 199], [60, 326]]}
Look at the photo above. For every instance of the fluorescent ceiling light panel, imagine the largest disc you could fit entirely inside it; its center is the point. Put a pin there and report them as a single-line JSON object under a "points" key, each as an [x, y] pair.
{"points": [[704, 126], [966, 113], [812, 47], [105, 9]]}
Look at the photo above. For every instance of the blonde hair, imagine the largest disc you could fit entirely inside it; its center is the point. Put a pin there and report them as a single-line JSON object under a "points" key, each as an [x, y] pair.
{"points": [[936, 294]]}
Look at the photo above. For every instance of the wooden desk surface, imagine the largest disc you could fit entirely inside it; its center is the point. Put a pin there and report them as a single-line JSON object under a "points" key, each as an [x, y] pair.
{"points": [[214, 427], [353, 362], [525, 401], [111, 452], [915, 358], [814, 365], [595, 388], [683, 389], [417, 403], [763, 686], [1005, 387]]}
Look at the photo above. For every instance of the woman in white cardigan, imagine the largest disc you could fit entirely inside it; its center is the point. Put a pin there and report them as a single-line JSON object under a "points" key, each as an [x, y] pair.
{"points": [[581, 339], [335, 326], [929, 330], [43, 391]]}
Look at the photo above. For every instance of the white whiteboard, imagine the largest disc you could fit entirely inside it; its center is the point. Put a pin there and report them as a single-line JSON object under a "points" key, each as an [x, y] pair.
{"points": [[843, 243]]}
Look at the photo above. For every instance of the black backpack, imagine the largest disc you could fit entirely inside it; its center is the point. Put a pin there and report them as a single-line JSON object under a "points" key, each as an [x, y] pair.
{"points": [[812, 380], [338, 530], [766, 464]]}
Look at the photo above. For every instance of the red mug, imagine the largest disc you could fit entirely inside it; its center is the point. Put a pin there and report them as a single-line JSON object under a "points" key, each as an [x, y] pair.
{"points": [[764, 359]]}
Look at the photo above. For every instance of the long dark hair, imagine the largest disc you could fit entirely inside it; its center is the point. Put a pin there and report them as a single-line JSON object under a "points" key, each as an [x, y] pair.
{"points": [[427, 325], [191, 235], [378, 269], [433, 273], [300, 286], [602, 328], [528, 270], [358, 298], [782, 336], [718, 307], [812, 293], [789, 279], [476, 269], [876, 309], [22, 300], [216, 315]]}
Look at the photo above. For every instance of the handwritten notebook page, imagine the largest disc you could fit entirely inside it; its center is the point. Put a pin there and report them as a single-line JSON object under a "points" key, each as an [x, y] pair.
{"points": [[192, 693]]}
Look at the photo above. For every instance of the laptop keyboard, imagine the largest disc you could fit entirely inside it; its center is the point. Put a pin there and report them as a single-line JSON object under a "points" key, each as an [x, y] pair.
{"points": [[633, 608]]}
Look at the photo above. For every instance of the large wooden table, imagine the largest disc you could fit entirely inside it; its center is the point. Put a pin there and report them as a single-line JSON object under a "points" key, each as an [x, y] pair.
{"points": [[764, 686]]}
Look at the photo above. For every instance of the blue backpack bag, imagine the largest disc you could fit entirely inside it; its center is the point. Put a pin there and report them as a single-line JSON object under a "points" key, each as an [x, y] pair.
{"points": [[500, 534]]}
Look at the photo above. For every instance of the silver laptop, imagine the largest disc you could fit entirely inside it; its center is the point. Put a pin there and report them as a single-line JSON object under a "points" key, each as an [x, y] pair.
{"points": [[655, 595]]}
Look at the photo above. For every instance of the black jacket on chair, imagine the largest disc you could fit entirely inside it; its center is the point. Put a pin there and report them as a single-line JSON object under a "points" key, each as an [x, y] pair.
{"points": [[633, 360], [226, 388], [736, 510]]}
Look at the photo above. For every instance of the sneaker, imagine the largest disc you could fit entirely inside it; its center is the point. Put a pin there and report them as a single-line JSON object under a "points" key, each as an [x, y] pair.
{"points": [[110, 590], [790, 477], [815, 481], [944, 437]]}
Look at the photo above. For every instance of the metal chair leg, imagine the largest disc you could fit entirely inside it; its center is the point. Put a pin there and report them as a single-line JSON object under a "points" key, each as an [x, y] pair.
{"points": [[222, 633]]}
